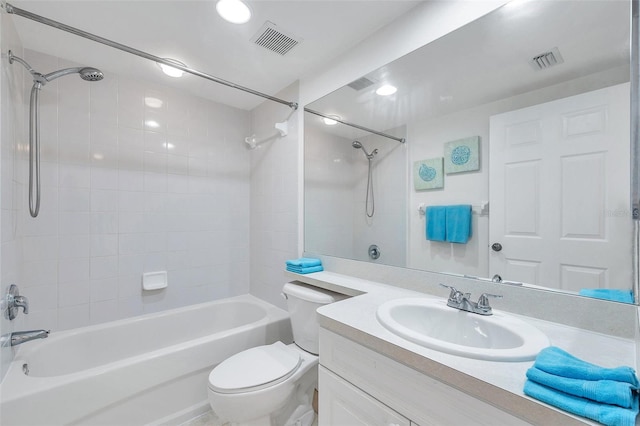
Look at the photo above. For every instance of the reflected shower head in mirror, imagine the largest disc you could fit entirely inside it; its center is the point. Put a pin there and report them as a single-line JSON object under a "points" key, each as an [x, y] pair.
{"points": [[358, 145]]}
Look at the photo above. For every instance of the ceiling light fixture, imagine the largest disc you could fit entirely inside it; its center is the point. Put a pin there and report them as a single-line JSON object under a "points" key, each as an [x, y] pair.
{"points": [[171, 71], [386, 90], [234, 11], [331, 120]]}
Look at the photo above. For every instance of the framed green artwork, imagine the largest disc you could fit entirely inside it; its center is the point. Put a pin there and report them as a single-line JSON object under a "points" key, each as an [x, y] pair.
{"points": [[462, 155], [428, 174]]}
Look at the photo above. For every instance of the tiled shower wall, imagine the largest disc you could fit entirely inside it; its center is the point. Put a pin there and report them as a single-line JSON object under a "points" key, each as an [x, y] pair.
{"points": [[135, 178]]}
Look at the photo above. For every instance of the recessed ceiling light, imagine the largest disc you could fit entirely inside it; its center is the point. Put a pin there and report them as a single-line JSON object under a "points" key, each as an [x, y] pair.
{"points": [[331, 120], [386, 90], [153, 102], [171, 71], [234, 11]]}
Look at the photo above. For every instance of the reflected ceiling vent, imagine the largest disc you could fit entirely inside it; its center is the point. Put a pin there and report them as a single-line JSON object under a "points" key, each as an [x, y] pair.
{"points": [[546, 60], [361, 83], [272, 38]]}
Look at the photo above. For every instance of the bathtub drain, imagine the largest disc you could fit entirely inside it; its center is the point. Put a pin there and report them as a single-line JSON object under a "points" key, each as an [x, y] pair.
{"points": [[25, 369]]}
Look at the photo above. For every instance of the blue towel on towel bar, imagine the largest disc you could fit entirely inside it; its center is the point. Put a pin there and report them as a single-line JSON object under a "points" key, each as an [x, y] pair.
{"points": [[436, 223], [610, 415], [307, 270], [625, 296], [554, 360], [304, 262], [605, 391], [458, 223]]}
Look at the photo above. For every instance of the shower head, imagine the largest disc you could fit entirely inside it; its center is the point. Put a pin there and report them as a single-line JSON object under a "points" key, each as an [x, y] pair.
{"points": [[358, 145], [86, 73]]}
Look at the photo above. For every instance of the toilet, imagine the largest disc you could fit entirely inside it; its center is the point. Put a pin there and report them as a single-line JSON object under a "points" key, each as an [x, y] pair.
{"points": [[274, 384]]}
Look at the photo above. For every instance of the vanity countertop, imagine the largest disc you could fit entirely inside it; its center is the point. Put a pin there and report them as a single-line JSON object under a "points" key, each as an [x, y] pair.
{"points": [[498, 383]]}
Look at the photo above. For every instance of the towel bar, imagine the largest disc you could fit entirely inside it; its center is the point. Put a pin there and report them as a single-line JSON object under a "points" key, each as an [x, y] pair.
{"points": [[481, 209]]}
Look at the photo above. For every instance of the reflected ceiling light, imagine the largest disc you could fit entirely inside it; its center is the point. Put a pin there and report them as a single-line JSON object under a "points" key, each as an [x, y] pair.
{"points": [[151, 123], [168, 145], [171, 71], [234, 11], [331, 120], [386, 90], [153, 102]]}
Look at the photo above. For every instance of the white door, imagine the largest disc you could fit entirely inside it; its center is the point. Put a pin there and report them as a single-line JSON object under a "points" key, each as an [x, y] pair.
{"points": [[560, 191]]}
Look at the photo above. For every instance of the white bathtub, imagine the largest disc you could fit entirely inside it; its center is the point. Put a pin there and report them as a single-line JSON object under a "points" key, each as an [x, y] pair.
{"points": [[147, 369]]}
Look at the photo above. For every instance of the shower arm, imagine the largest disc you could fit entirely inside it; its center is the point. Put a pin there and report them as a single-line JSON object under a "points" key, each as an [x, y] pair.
{"points": [[37, 77]]}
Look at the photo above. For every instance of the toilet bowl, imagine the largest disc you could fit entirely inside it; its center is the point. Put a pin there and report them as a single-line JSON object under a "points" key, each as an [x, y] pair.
{"points": [[274, 384], [265, 385]]}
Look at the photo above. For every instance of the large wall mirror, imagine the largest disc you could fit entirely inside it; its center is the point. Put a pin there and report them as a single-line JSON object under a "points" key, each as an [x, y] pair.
{"points": [[523, 114]]}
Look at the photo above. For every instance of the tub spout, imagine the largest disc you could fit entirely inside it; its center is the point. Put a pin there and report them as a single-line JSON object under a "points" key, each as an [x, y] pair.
{"points": [[20, 337]]}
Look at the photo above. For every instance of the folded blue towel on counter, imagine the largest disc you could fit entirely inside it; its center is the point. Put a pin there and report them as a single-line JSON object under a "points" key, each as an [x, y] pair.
{"points": [[302, 270], [304, 262], [610, 415], [436, 223], [625, 296], [458, 223], [605, 391], [554, 360]]}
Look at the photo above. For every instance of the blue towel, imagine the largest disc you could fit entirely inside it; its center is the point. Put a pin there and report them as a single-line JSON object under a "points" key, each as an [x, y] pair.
{"points": [[554, 360], [436, 223], [605, 391], [458, 223], [610, 415], [625, 296], [304, 262], [307, 270]]}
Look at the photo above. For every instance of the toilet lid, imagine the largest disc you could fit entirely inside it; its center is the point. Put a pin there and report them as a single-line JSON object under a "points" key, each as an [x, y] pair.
{"points": [[255, 368]]}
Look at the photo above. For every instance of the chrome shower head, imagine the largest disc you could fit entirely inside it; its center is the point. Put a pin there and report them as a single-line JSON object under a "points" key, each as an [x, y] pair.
{"points": [[91, 74], [86, 73], [358, 145]]}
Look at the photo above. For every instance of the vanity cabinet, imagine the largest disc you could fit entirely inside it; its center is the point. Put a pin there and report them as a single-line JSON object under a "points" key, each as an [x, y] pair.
{"points": [[342, 404], [359, 386]]}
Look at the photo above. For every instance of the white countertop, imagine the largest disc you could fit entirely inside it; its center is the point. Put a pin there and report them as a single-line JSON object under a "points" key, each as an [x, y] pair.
{"points": [[498, 382]]}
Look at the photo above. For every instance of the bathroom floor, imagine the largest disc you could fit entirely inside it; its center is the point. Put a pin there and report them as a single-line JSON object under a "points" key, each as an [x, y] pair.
{"points": [[210, 419]]}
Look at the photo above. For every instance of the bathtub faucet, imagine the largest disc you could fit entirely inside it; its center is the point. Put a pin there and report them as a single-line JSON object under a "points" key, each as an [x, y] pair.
{"points": [[20, 337]]}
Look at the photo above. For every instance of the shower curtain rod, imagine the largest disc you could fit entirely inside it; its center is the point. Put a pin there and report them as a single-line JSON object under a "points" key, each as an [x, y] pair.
{"points": [[41, 19], [401, 140]]}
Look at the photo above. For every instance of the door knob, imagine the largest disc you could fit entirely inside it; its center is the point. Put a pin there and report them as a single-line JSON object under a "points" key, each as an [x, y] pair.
{"points": [[496, 246]]}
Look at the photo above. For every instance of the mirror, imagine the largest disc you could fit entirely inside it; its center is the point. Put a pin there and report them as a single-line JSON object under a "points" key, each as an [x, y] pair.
{"points": [[538, 94]]}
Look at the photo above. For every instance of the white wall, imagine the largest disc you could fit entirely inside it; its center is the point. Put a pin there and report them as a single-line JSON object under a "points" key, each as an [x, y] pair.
{"points": [[13, 128], [274, 197], [329, 203], [121, 197]]}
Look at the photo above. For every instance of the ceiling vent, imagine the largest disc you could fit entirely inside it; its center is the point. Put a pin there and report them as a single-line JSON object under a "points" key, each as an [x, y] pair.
{"points": [[546, 60], [272, 38], [361, 83]]}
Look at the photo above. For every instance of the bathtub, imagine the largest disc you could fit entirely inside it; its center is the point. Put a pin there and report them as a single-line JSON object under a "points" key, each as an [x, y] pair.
{"points": [[150, 369]]}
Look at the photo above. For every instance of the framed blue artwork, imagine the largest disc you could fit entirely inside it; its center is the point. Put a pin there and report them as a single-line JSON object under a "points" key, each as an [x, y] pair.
{"points": [[428, 174], [462, 155]]}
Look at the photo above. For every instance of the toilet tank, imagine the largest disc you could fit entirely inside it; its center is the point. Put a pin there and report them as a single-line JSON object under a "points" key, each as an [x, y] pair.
{"points": [[302, 302]]}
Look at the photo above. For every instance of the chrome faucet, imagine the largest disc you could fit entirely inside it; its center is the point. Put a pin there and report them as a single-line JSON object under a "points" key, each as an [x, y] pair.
{"points": [[19, 337], [13, 301], [460, 300]]}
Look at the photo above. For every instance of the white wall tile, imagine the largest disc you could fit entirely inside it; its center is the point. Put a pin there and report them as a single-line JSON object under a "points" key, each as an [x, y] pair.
{"points": [[121, 198]]}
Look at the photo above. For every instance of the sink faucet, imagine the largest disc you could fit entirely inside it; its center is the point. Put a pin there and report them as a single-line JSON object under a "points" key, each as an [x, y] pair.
{"points": [[20, 337], [460, 300]]}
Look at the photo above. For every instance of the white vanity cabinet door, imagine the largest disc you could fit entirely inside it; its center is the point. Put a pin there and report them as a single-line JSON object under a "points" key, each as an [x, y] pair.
{"points": [[342, 404], [420, 397]]}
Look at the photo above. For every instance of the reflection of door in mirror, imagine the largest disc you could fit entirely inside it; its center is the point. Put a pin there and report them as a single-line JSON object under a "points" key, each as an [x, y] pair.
{"points": [[559, 199]]}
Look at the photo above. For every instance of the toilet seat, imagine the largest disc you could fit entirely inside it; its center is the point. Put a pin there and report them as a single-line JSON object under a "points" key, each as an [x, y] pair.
{"points": [[254, 369]]}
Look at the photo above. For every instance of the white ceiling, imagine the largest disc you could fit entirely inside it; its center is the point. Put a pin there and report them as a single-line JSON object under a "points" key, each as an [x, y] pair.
{"points": [[192, 32], [488, 60]]}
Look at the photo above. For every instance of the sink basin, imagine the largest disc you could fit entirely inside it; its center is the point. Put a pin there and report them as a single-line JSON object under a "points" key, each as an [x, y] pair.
{"points": [[433, 324]]}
